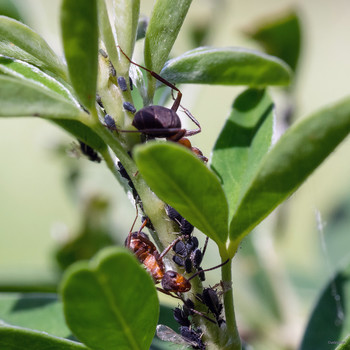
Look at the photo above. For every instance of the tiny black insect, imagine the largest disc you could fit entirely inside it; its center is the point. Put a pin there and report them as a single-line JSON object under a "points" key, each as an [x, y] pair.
{"points": [[89, 152], [112, 70], [129, 107], [193, 336], [110, 122], [173, 214], [103, 53], [122, 83], [210, 298], [126, 176], [181, 318], [186, 228]]}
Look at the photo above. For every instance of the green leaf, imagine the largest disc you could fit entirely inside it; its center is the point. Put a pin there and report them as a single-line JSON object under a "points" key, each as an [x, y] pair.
{"points": [[9, 9], [23, 98], [330, 319], [227, 66], [42, 312], [82, 133], [183, 181], [164, 25], [281, 37], [13, 338], [19, 41], [126, 20], [27, 74], [296, 155], [111, 302], [26, 71], [344, 344], [244, 140], [80, 41]]}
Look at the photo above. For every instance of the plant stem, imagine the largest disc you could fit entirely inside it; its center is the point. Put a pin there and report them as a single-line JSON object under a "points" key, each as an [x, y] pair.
{"points": [[232, 340]]}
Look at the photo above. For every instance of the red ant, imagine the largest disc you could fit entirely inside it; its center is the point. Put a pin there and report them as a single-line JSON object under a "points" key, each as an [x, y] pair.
{"points": [[163, 122], [148, 255]]}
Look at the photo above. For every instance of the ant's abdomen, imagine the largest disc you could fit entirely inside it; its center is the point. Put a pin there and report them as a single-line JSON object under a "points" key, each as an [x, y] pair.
{"points": [[154, 267]]}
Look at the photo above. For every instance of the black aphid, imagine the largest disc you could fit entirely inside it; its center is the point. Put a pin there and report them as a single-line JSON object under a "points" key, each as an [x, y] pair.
{"points": [[129, 107], [122, 83], [89, 152], [110, 122]]}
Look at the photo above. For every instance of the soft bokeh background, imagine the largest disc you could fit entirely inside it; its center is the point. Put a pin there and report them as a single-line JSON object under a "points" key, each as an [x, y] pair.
{"points": [[38, 209]]}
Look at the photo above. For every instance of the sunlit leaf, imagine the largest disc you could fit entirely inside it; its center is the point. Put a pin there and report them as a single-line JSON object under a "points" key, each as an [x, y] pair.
{"points": [[19, 41], [80, 41], [227, 66], [242, 143], [295, 156], [19, 97], [164, 25], [180, 179], [26, 71]]}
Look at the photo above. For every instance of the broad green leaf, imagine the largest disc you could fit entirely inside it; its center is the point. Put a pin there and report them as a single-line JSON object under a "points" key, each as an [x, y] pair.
{"points": [[164, 26], [28, 74], [9, 9], [227, 66], [330, 319], [14, 338], [180, 179], [80, 41], [242, 143], [126, 20], [26, 71], [111, 302], [19, 41], [42, 312], [344, 344], [295, 156], [281, 37], [19, 98], [82, 133]]}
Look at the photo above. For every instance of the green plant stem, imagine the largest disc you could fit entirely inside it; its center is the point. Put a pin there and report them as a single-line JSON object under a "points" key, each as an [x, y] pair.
{"points": [[232, 340]]}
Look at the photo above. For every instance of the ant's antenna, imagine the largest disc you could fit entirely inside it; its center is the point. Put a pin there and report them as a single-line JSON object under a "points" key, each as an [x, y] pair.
{"points": [[212, 268], [128, 240]]}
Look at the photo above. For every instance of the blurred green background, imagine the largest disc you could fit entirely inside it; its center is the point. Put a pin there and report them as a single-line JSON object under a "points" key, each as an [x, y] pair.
{"points": [[39, 211]]}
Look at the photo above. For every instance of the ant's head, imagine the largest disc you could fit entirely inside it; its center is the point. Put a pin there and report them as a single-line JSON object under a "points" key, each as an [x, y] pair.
{"points": [[174, 282]]}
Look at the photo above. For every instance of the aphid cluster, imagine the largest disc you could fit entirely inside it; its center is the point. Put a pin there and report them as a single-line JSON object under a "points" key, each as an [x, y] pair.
{"points": [[210, 298], [187, 253]]}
